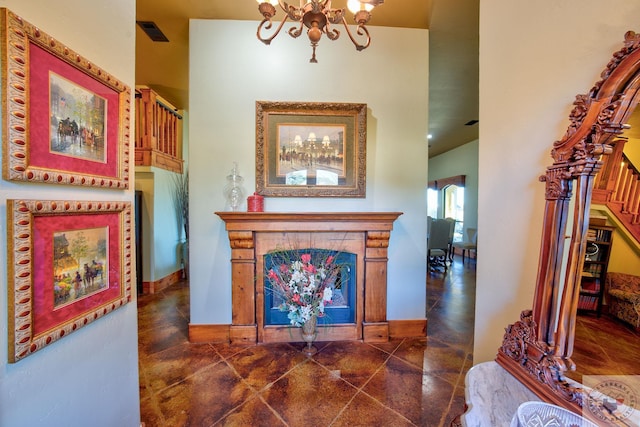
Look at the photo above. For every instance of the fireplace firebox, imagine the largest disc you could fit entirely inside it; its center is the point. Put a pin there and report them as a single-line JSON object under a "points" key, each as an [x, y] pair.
{"points": [[343, 306]]}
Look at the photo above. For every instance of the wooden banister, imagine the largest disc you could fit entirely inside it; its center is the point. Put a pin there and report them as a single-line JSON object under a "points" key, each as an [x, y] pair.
{"points": [[617, 186], [629, 189], [158, 132]]}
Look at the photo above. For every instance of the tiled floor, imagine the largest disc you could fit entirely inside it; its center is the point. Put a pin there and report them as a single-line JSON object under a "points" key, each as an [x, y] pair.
{"points": [[405, 382], [410, 382]]}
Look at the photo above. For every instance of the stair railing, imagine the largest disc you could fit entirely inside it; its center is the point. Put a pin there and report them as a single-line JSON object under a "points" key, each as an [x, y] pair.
{"points": [[617, 186], [627, 190], [158, 132]]}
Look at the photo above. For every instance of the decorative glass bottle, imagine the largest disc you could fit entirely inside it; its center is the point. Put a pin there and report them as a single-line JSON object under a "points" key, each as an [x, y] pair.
{"points": [[234, 191]]}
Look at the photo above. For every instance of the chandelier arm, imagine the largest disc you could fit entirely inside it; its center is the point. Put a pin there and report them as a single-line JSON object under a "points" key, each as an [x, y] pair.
{"points": [[362, 31], [267, 24], [296, 32], [294, 13], [332, 33]]}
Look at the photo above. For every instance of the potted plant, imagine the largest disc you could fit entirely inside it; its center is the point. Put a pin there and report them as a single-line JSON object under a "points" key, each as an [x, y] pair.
{"points": [[180, 196]]}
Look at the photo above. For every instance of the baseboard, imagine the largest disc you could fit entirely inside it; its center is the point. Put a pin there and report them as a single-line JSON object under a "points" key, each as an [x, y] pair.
{"points": [[411, 328], [208, 333], [165, 282]]}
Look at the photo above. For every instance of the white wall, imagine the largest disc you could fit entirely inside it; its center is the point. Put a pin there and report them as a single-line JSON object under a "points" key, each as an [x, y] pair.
{"points": [[89, 377], [230, 70], [535, 57], [161, 236], [632, 151], [625, 255], [144, 181], [460, 161]]}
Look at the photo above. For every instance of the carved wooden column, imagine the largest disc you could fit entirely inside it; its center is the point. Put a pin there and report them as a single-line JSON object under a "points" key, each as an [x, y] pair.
{"points": [[243, 264], [375, 327], [558, 193]]}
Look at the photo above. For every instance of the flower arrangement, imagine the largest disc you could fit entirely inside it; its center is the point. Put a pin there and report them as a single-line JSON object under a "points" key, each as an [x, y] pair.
{"points": [[304, 283]]}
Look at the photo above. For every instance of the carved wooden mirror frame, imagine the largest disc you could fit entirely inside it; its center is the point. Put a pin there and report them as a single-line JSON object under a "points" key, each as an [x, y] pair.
{"points": [[537, 349]]}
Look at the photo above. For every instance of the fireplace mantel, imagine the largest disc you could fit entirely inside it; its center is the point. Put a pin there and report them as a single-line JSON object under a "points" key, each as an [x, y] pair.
{"points": [[253, 234]]}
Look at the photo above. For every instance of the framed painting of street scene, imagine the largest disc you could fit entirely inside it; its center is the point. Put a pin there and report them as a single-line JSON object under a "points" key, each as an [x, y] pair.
{"points": [[69, 263], [65, 120], [310, 149]]}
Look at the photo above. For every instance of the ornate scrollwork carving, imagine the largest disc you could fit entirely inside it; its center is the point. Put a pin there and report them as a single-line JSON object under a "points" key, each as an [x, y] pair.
{"points": [[631, 43], [578, 113], [517, 335], [557, 186], [520, 344]]}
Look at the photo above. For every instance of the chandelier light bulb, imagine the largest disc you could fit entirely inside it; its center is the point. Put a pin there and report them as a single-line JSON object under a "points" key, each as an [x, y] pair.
{"points": [[356, 6]]}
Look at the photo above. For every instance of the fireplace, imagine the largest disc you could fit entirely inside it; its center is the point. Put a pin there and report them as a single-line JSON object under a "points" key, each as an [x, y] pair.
{"points": [[363, 235], [342, 309]]}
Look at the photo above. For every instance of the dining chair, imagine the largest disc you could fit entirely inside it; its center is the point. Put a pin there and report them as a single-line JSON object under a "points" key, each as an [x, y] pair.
{"points": [[469, 244], [438, 244], [452, 228]]}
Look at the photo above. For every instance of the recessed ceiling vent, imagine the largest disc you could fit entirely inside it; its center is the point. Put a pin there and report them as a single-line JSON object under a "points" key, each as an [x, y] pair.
{"points": [[471, 122], [151, 29]]}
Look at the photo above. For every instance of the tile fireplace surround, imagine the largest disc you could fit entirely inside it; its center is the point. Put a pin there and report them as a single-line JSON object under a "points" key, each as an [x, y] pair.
{"points": [[366, 234]]}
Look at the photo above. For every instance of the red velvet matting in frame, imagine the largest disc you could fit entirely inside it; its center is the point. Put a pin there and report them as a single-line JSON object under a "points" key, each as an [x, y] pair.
{"points": [[44, 227], [41, 63]]}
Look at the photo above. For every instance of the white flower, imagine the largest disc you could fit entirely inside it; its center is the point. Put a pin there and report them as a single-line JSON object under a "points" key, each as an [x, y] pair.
{"points": [[327, 295]]}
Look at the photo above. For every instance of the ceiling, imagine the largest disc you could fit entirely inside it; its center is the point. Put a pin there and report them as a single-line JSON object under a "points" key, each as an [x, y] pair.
{"points": [[453, 53]]}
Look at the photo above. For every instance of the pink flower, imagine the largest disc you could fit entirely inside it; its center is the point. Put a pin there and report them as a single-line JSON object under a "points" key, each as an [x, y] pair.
{"points": [[284, 268], [306, 258], [329, 259]]}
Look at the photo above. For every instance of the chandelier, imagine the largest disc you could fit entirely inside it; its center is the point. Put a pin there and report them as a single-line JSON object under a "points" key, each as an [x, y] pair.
{"points": [[317, 16]]}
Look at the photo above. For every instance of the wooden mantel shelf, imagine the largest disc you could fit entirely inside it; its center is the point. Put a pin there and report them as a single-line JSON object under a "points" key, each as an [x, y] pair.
{"points": [[253, 234], [306, 221]]}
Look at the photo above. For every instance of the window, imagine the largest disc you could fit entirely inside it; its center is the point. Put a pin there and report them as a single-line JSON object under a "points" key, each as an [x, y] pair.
{"points": [[432, 203], [454, 208], [445, 199]]}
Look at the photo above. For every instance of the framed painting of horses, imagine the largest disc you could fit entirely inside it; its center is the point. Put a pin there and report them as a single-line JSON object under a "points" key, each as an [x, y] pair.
{"points": [[69, 263], [65, 120], [310, 149]]}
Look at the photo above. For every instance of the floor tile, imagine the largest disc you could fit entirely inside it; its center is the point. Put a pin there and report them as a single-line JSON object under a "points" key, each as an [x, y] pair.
{"points": [[262, 365], [364, 411], [254, 413], [354, 362], [204, 398], [407, 390], [309, 395], [174, 364]]}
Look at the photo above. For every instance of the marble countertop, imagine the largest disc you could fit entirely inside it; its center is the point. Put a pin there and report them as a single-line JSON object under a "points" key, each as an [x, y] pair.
{"points": [[492, 395]]}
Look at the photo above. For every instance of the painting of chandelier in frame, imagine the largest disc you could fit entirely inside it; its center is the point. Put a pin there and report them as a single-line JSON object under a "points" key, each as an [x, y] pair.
{"points": [[310, 149], [65, 120]]}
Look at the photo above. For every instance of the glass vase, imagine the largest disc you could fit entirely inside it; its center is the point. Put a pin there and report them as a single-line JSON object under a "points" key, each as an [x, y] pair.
{"points": [[233, 190], [309, 335]]}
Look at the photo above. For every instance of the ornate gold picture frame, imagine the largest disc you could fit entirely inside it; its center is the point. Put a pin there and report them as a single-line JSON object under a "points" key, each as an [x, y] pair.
{"points": [[69, 263], [65, 120], [306, 149]]}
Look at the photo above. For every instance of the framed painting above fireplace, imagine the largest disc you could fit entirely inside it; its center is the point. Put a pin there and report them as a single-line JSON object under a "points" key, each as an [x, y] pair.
{"points": [[307, 149]]}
